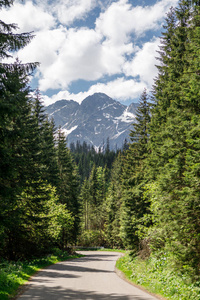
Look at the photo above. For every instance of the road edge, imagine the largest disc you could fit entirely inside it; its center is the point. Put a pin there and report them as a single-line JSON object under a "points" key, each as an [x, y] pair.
{"points": [[123, 276]]}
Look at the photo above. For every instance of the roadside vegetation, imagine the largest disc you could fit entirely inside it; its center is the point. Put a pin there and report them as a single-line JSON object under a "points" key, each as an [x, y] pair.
{"points": [[15, 274], [157, 275]]}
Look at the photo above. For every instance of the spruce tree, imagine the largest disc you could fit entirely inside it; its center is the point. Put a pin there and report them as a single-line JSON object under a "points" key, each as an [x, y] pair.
{"points": [[113, 205], [67, 187], [133, 177], [46, 132], [14, 106], [14, 116], [85, 203]]}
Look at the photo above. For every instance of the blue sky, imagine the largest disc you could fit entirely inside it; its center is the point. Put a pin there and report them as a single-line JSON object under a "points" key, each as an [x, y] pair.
{"points": [[88, 46]]}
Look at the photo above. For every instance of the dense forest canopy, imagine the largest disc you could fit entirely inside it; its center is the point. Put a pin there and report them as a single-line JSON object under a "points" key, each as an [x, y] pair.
{"points": [[85, 157], [145, 198]]}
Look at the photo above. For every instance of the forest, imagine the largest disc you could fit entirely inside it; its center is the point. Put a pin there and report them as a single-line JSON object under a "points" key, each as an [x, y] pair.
{"points": [[145, 197]]}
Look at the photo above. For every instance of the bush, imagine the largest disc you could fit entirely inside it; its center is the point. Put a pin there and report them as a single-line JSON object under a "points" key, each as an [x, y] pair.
{"points": [[92, 238]]}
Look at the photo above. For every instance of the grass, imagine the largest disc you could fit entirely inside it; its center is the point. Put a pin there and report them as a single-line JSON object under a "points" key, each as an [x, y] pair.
{"points": [[113, 250], [157, 276], [15, 274]]}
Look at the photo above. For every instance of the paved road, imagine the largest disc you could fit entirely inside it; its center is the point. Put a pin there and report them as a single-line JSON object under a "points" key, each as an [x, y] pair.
{"points": [[91, 277]]}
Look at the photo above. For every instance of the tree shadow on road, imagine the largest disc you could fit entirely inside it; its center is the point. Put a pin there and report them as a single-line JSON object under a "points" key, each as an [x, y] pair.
{"points": [[58, 293], [62, 269], [97, 257]]}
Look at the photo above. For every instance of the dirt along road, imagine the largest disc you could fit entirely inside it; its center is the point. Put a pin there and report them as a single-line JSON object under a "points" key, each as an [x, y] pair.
{"points": [[91, 277]]}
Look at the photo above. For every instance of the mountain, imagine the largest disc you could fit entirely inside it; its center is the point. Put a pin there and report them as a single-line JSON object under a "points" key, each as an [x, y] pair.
{"points": [[97, 118]]}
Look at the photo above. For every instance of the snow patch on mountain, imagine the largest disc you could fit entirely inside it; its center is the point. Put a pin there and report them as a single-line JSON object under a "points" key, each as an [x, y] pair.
{"points": [[106, 106], [57, 110], [107, 116], [68, 131], [117, 135]]}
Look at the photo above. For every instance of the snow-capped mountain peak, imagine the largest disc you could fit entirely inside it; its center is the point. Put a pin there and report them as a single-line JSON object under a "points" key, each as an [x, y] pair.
{"points": [[97, 118]]}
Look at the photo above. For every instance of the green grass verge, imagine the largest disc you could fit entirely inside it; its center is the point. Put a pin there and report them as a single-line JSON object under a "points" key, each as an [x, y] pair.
{"points": [[156, 276], [113, 250], [15, 274]]}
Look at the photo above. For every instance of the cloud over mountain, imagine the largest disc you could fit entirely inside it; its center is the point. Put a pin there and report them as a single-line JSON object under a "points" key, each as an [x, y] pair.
{"points": [[106, 44]]}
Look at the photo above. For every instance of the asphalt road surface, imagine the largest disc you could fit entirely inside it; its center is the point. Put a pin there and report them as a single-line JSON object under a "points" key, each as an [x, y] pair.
{"points": [[91, 277]]}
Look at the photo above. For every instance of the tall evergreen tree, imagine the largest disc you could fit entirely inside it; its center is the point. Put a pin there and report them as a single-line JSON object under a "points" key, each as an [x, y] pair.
{"points": [[67, 186], [85, 205], [92, 196], [14, 106], [113, 205], [133, 180], [46, 132], [14, 115]]}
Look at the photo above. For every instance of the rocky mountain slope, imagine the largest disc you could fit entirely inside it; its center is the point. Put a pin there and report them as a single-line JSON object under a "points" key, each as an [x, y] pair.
{"points": [[97, 118]]}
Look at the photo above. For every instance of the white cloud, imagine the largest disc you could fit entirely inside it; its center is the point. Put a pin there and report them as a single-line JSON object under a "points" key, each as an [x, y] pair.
{"points": [[119, 89], [64, 56], [122, 19], [150, 17], [28, 17], [68, 11], [114, 23], [44, 48], [113, 57], [79, 57], [143, 63]]}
